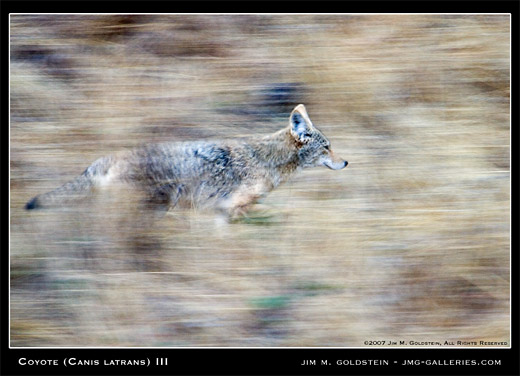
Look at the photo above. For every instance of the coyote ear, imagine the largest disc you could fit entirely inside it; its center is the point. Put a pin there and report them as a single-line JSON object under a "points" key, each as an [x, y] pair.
{"points": [[300, 123]]}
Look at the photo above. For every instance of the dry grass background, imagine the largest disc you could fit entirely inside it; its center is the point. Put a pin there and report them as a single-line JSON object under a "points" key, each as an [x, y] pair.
{"points": [[410, 242]]}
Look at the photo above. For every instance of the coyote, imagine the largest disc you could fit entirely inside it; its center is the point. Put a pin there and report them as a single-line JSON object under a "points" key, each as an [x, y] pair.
{"points": [[229, 176]]}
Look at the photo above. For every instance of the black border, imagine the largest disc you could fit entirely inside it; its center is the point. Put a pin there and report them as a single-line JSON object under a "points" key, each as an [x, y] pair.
{"points": [[270, 6], [259, 361]]}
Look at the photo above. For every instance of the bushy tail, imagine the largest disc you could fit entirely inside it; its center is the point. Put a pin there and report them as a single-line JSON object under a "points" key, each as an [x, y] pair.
{"points": [[68, 192], [73, 190]]}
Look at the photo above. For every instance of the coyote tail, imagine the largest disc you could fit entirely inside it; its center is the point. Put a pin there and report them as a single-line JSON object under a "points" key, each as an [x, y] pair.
{"points": [[67, 192], [72, 190]]}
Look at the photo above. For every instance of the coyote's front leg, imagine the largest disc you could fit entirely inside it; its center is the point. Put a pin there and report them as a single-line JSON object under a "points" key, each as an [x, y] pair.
{"points": [[243, 199], [241, 205]]}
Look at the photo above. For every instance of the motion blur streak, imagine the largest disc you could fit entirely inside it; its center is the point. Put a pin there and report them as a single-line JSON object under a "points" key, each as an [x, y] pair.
{"points": [[410, 242]]}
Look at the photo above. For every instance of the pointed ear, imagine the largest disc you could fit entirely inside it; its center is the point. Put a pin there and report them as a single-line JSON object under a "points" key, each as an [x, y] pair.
{"points": [[300, 123]]}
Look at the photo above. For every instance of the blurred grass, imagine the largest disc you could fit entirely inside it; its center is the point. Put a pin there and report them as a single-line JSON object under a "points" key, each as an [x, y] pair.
{"points": [[411, 241]]}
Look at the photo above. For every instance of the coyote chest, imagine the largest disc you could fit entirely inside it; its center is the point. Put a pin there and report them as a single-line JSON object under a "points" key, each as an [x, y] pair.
{"points": [[225, 175]]}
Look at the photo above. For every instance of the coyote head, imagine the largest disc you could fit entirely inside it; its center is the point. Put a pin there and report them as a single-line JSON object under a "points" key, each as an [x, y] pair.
{"points": [[315, 147]]}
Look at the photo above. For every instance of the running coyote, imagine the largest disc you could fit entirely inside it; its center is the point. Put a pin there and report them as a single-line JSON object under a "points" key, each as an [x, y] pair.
{"points": [[226, 175]]}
